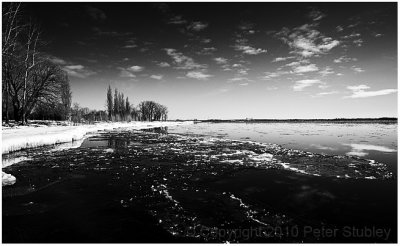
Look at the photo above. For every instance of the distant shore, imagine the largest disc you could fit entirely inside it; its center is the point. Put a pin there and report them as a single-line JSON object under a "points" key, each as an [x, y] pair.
{"points": [[384, 120]]}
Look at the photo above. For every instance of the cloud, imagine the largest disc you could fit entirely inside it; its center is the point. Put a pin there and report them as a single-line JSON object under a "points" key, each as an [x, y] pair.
{"points": [[197, 26], [136, 68], [129, 72], [326, 71], [78, 71], [353, 35], [357, 69], [327, 93], [95, 13], [271, 75], [301, 84], [306, 41], [57, 60], [207, 51], [358, 42], [181, 61], [245, 25], [236, 79], [198, 75], [344, 59], [360, 91], [126, 74], [339, 29], [293, 64], [130, 44], [157, 77], [316, 15], [278, 59], [221, 60], [306, 68], [249, 50], [177, 20], [163, 64], [244, 84]]}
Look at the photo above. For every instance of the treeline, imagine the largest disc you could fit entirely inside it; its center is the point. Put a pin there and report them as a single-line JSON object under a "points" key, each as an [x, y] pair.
{"points": [[120, 109], [33, 86]]}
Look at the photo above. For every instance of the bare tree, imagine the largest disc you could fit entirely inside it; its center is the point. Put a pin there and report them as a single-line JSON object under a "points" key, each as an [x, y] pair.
{"points": [[66, 97], [32, 38], [11, 29], [109, 103]]}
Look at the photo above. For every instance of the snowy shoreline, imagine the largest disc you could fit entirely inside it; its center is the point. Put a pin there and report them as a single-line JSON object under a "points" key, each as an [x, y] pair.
{"points": [[14, 139]]}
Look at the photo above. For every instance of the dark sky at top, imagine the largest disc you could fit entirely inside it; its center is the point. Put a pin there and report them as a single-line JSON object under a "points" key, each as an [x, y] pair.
{"points": [[229, 60]]}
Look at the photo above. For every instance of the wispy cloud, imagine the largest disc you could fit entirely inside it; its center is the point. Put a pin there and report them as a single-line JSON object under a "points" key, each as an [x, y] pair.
{"points": [[72, 69], [57, 60], [339, 28], [197, 26], [300, 85], [316, 15], [136, 68], [221, 60], [343, 59], [78, 71], [278, 59], [306, 68], [177, 20], [163, 64], [326, 71], [326, 93], [306, 41], [239, 79], [207, 51], [247, 27], [358, 42], [181, 61], [360, 91], [248, 50], [157, 77], [352, 35], [357, 69], [131, 43], [272, 75], [198, 75], [129, 71]]}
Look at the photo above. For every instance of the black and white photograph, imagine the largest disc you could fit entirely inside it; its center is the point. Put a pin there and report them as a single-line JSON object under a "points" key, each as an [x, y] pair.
{"points": [[199, 122]]}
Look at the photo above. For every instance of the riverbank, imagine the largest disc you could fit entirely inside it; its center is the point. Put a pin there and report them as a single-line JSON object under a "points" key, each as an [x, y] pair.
{"points": [[25, 137], [33, 136]]}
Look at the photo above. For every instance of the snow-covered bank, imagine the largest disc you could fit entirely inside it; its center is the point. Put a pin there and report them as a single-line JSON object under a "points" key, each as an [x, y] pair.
{"points": [[14, 139]]}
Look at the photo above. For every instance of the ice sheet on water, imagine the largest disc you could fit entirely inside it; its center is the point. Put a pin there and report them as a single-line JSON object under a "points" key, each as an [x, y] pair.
{"points": [[209, 150], [8, 179]]}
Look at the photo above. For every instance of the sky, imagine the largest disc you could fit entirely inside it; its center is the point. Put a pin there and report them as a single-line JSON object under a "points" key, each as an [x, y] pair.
{"points": [[229, 60]]}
